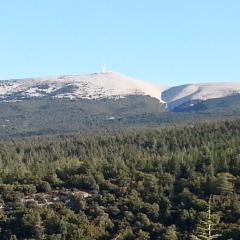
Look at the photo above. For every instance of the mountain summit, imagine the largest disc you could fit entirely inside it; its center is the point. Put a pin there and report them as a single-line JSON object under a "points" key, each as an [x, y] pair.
{"points": [[110, 85], [91, 86]]}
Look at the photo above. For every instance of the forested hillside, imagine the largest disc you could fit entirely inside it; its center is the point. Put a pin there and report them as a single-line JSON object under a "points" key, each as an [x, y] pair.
{"points": [[61, 116], [152, 184], [34, 117]]}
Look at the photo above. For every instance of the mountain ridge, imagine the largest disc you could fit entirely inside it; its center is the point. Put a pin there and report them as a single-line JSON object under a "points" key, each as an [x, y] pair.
{"points": [[110, 85], [181, 94], [90, 86]]}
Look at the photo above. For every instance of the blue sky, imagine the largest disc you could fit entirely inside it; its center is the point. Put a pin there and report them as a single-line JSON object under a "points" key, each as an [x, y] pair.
{"points": [[166, 41]]}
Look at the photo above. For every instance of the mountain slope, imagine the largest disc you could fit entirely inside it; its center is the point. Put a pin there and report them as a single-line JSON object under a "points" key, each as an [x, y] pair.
{"points": [[176, 96], [226, 106], [110, 85], [60, 116], [92, 86], [107, 101]]}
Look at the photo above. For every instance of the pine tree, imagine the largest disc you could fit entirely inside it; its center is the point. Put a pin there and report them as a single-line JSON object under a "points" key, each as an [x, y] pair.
{"points": [[206, 230]]}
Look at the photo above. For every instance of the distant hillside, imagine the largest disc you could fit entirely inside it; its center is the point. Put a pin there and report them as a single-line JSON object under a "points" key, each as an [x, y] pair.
{"points": [[176, 96], [226, 106], [59, 116]]}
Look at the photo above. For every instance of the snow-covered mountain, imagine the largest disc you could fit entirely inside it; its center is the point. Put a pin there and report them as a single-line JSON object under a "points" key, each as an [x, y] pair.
{"points": [[110, 85], [178, 95], [92, 86]]}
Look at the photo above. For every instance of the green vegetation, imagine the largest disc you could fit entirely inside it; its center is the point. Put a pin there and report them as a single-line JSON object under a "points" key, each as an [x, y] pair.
{"points": [[61, 116], [151, 184]]}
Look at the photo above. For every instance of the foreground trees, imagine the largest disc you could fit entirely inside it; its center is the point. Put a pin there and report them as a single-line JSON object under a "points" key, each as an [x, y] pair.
{"points": [[143, 185]]}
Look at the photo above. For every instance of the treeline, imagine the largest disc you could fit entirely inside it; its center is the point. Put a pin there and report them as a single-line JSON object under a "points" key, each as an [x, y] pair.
{"points": [[152, 184]]}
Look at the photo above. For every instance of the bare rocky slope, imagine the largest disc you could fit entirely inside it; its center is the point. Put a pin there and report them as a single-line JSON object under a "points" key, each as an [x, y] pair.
{"points": [[178, 95], [91, 86], [110, 85]]}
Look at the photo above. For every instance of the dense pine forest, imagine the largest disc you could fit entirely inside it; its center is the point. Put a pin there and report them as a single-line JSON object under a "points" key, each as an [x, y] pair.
{"points": [[137, 184]]}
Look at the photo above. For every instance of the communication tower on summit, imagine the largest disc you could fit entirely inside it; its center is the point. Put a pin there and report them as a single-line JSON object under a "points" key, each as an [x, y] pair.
{"points": [[103, 68]]}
